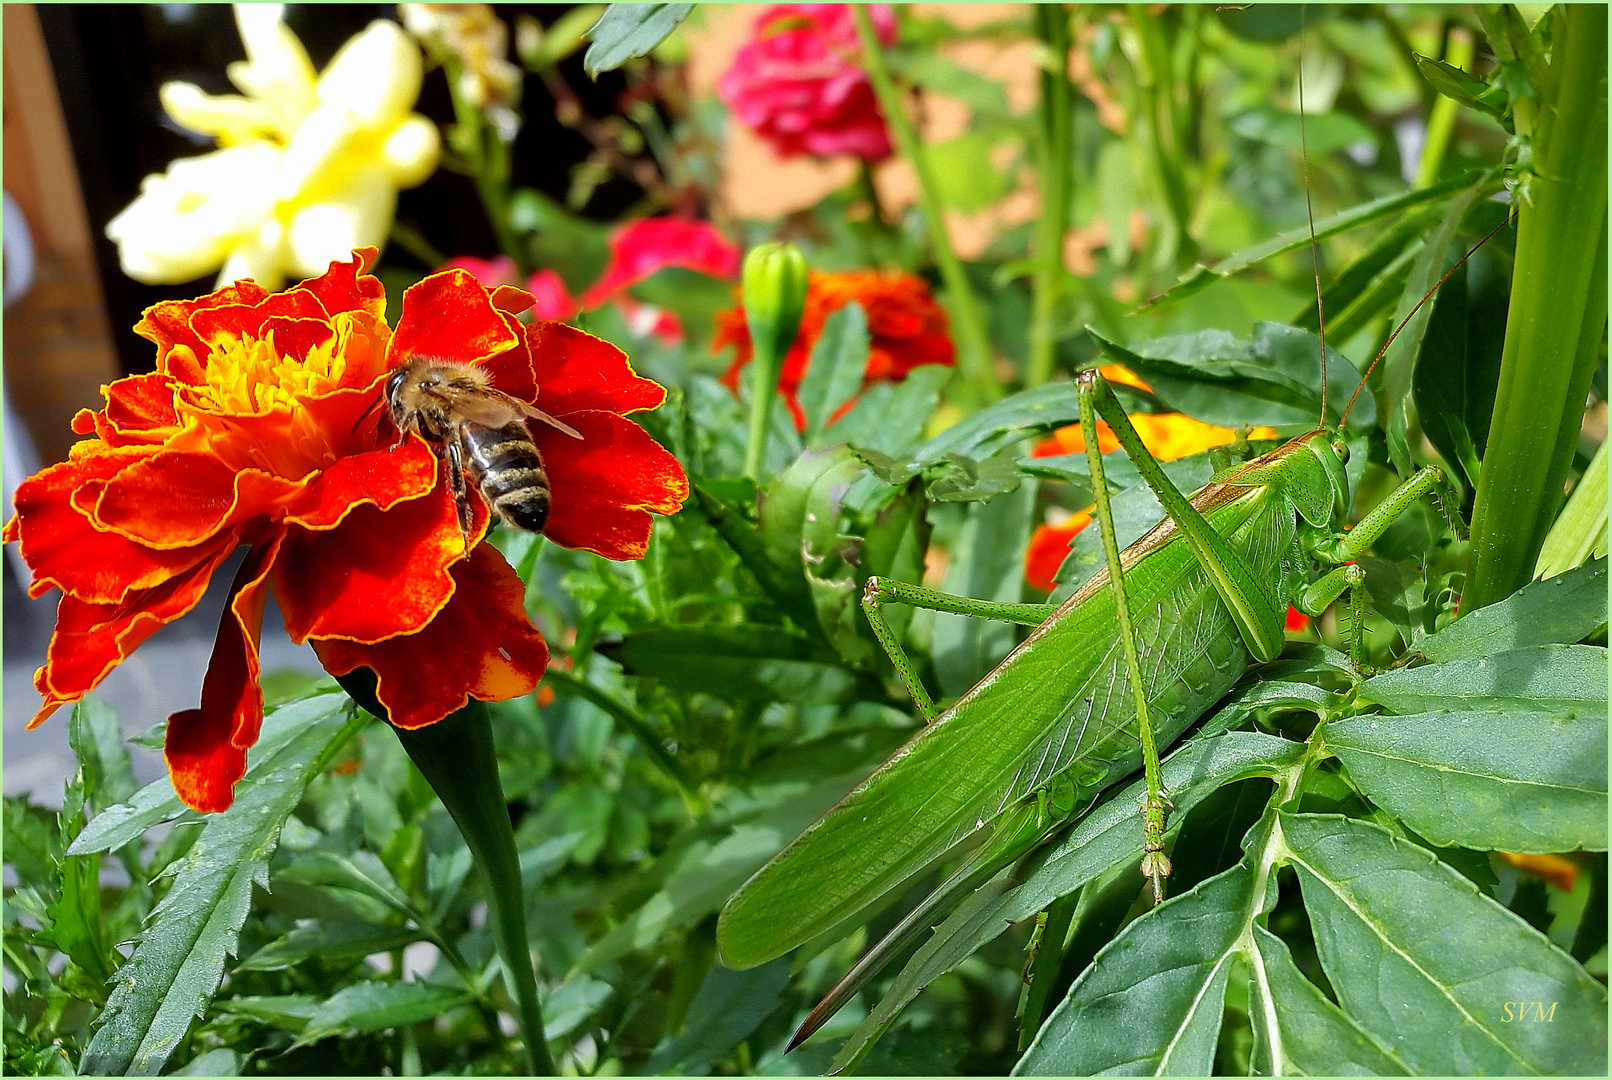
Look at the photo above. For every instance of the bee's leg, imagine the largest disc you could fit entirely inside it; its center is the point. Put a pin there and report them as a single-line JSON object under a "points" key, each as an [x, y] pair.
{"points": [[456, 482]]}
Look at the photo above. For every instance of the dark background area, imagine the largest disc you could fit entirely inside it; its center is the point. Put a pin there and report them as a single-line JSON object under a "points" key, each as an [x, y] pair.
{"points": [[110, 60]]}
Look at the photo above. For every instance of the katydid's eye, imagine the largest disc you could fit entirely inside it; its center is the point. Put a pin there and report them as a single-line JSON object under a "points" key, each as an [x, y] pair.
{"points": [[1341, 448]]}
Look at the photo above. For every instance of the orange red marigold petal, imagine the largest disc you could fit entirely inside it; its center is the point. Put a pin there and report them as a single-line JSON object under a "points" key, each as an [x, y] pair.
{"points": [[577, 372], [167, 324], [376, 575], [448, 316], [65, 551], [481, 645], [91, 639], [380, 478], [606, 484], [206, 747], [139, 409], [179, 500], [228, 322], [347, 285]]}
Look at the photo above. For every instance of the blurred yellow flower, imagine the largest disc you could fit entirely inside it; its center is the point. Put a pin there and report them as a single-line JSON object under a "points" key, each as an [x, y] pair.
{"points": [[308, 166]]}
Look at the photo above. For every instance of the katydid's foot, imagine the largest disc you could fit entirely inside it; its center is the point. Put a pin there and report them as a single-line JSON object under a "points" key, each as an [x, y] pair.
{"points": [[1155, 864]]}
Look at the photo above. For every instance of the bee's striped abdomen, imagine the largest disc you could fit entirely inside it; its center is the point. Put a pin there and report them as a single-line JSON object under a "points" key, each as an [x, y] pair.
{"points": [[507, 467]]}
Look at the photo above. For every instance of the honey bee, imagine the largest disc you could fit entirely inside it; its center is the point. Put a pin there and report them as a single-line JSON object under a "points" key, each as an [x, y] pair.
{"points": [[480, 432]]}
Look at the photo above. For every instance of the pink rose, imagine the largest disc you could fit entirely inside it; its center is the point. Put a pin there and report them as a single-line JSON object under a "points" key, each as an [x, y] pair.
{"points": [[798, 84]]}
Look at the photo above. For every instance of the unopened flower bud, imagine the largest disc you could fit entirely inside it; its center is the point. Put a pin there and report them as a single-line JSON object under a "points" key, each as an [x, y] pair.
{"points": [[774, 291]]}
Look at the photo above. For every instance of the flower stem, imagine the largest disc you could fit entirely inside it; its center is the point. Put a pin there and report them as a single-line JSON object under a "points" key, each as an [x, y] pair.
{"points": [[980, 386], [1556, 318], [763, 389], [456, 757], [1052, 27]]}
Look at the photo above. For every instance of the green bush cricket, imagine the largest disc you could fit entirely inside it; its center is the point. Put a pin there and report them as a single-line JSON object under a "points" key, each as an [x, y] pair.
{"points": [[1124, 666]]}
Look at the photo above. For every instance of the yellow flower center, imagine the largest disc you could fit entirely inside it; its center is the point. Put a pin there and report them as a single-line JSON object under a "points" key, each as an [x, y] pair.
{"points": [[258, 408], [249, 375]]}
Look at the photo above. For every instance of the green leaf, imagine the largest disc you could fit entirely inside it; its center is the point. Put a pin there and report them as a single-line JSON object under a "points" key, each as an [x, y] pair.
{"points": [[738, 663], [1152, 1001], [1322, 133], [988, 565], [628, 30], [985, 98], [1458, 367], [156, 802], [1297, 1031], [376, 1006], [329, 941], [963, 479], [97, 740], [177, 965], [30, 840], [1300, 237], [730, 1006], [965, 176], [1532, 782], [834, 375], [1023, 415], [1558, 610], [1545, 678], [1425, 963], [1411, 322], [1271, 378], [890, 417], [1101, 840], [288, 1012], [361, 872], [578, 998], [1458, 86], [218, 1062]]}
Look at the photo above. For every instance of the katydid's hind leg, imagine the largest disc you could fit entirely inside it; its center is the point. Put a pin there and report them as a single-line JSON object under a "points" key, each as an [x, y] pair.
{"points": [[883, 590], [1156, 803], [1247, 597]]}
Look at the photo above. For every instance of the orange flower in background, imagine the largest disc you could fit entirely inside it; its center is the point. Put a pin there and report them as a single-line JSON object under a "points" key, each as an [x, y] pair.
{"points": [[1168, 436], [906, 327], [253, 431]]}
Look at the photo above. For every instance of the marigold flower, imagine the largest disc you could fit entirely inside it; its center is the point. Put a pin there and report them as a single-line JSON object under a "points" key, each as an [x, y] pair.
{"points": [[552, 299], [309, 165], [906, 327], [798, 85], [259, 428], [1168, 436]]}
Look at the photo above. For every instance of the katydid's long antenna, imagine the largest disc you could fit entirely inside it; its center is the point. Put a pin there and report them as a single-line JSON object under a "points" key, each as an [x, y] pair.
{"points": [[1309, 214], [1507, 220]]}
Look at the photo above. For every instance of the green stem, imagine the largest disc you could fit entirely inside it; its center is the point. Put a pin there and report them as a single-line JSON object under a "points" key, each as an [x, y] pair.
{"points": [[1556, 318], [1052, 27], [979, 384], [763, 390], [456, 757]]}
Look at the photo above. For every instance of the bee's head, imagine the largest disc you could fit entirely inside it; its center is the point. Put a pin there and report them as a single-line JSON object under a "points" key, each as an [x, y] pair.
{"points": [[394, 383]]}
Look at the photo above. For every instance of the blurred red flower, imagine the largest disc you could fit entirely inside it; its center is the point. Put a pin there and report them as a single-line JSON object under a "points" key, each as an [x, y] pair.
{"points": [[907, 329], [249, 433], [638, 249], [797, 82]]}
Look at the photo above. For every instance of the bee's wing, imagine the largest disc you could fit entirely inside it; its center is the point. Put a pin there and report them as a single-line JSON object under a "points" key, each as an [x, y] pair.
{"points": [[533, 413]]}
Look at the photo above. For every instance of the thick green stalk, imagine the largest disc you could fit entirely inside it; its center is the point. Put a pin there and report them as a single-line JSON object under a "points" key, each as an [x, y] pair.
{"points": [[979, 384], [455, 755], [1556, 317], [1052, 28]]}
